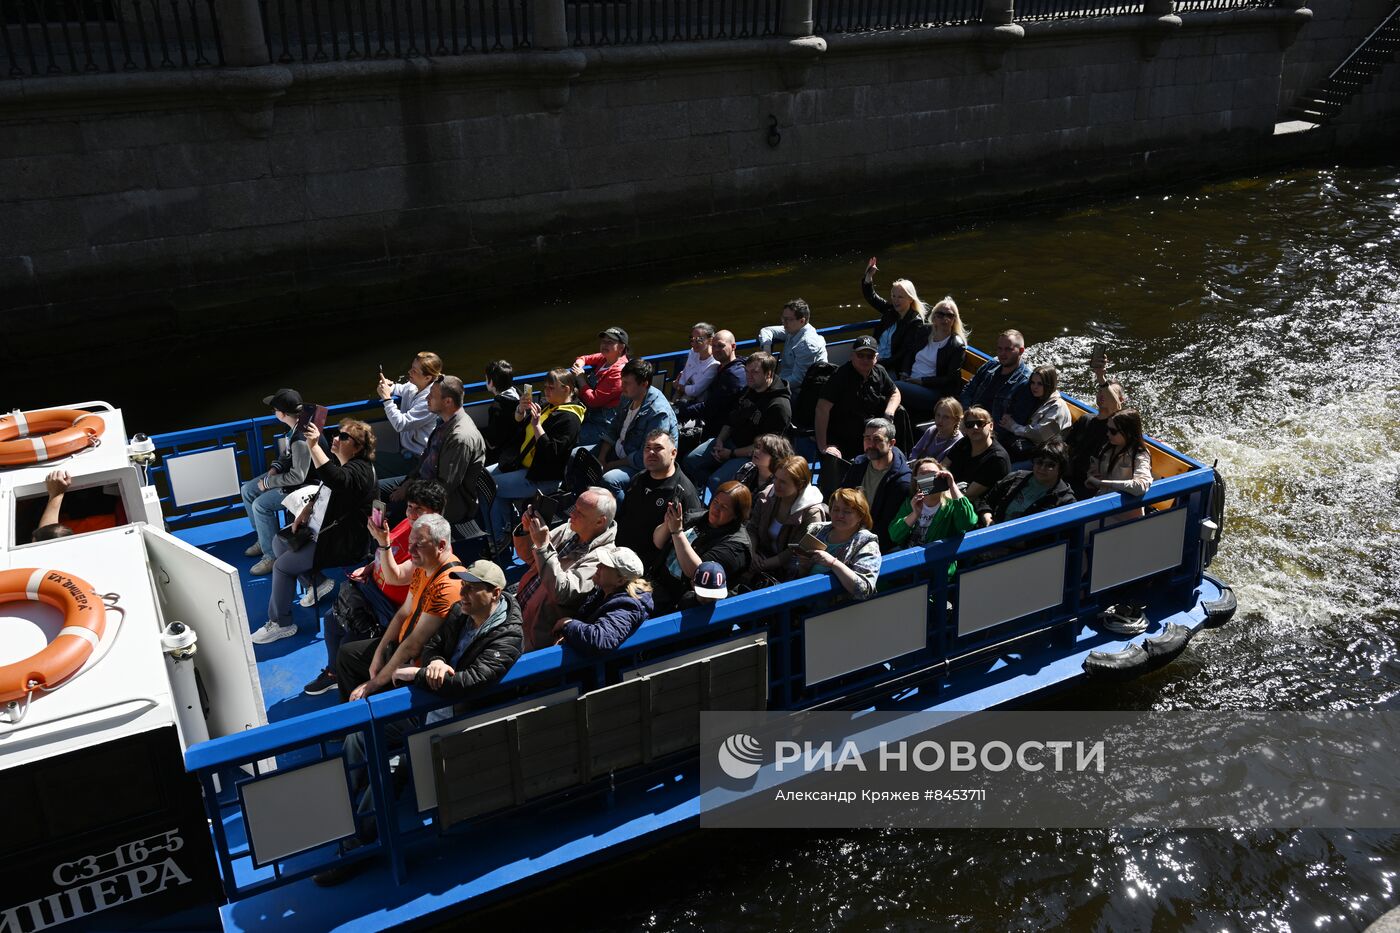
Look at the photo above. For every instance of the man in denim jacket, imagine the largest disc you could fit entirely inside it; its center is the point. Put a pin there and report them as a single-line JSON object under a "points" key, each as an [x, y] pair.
{"points": [[643, 409], [802, 345], [1000, 385]]}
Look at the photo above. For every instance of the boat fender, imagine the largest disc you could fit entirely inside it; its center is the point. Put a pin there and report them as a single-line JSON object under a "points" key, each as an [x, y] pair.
{"points": [[1217, 516], [1129, 662], [1162, 648], [1219, 611]]}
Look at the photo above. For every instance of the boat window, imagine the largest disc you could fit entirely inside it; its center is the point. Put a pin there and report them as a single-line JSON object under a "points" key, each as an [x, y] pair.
{"points": [[84, 509]]}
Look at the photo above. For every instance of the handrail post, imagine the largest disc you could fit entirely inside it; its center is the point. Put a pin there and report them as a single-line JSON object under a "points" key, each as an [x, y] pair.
{"points": [[1159, 7], [241, 32], [998, 12], [797, 18], [551, 25]]}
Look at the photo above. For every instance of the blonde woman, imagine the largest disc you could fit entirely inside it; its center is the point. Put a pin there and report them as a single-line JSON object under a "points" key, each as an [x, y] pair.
{"points": [[931, 368], [900, 318]]}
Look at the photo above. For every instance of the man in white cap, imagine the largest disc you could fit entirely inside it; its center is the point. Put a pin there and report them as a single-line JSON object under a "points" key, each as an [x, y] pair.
{"points": [[617, 607]]}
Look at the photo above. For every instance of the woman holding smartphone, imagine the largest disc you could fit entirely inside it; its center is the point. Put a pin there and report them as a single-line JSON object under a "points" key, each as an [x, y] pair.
{"points": [[347, 475], [844, 547], [537, 466], [936, 509]]}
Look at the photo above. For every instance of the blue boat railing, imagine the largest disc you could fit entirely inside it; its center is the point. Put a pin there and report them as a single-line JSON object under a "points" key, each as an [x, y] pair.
{"points": [[228, 766], [254, 441]]}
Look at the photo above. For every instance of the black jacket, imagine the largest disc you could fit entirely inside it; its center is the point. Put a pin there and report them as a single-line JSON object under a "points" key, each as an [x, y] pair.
{"points": [[486, 659], [906, 329], [344, 532], [755, 413], [999, 497], [552, 451], [712, 408], [948, 379], [502, 431], [892, 493]]}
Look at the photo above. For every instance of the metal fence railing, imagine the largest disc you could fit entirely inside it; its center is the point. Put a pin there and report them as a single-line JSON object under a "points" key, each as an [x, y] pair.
{"points": [[310, 31], [1190, 6], [1031, 10], [74, 37], [639, 22], [838, 16]]}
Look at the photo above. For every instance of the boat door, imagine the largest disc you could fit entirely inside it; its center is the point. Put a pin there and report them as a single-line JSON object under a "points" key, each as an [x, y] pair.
{"points": [[204, 593]]}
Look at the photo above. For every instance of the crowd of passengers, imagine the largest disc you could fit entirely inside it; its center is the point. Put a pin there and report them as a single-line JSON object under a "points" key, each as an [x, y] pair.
{"points": [[624, 498]]}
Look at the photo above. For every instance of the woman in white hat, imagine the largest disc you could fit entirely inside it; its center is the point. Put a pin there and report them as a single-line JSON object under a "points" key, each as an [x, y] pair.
{"points": [[616, 607]]}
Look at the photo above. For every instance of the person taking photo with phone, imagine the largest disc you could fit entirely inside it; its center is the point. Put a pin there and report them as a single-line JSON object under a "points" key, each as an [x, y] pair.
{"points": [[936, 509]]}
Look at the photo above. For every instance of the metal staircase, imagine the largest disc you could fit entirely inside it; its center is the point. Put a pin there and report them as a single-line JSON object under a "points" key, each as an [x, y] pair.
{"points": [[1323, 102]]}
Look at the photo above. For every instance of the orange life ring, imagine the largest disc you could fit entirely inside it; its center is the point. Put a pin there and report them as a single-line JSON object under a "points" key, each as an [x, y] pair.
{"points": [[35, 436], [84, 621]]}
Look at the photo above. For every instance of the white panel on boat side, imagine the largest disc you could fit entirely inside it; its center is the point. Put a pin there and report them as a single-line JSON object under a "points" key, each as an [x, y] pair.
{"points": [[1136, 550], [420, 744], [865, 633], [1011, 589], [201, 477], [296, 810]]}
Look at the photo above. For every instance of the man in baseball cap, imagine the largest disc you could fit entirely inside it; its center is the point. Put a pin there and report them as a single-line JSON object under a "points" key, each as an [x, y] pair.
{"points": [[263, 495], [619, 603], [859, 390]]}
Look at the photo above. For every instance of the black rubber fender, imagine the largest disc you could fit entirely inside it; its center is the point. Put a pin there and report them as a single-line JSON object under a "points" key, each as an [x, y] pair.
{"points": [[1129, 662], [1219, 611], [1141, 657], [1161, 649], [1217, 515]]}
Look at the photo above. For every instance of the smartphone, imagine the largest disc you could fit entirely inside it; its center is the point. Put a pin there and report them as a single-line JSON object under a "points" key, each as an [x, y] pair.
{"points": [[928, 483], [381, 370], [1097, 357], [376, 513], [544, 507], [527, 392]]}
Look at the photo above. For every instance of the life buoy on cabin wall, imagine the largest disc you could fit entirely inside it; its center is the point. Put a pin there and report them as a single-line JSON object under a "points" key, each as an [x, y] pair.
{"points": [[35, 436], [84, 621]]}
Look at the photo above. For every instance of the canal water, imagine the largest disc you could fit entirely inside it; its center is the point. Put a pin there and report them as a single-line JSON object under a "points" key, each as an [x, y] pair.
{"points": [[1255, 321]]}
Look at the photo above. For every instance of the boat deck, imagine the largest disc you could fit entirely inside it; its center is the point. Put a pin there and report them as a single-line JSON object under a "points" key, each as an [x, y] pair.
{"points": [[504, 856]]}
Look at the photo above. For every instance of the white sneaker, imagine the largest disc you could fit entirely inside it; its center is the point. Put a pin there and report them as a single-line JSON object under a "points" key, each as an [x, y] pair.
{"points": [[262, 568], [254, 550], [271, 631], [320, 591]]}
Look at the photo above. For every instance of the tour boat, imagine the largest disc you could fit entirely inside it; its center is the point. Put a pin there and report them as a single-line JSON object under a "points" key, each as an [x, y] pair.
{"points": [[161, 773]]}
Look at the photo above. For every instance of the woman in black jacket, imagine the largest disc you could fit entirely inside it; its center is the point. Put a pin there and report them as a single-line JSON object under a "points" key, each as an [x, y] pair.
{"points": [[931, 367], [1026, 492], [900, 318], [537, 465], [347, 475]]}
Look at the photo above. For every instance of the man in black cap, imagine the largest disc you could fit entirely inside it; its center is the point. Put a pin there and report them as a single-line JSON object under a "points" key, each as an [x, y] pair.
{"points": [[859, 390], [263, 495], [601, 391]]}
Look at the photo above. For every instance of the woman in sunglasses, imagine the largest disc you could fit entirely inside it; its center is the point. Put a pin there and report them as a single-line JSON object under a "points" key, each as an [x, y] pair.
{"points": [[1049, 420], [1026, 492], [347, 475], [1124, 464], [931, 366], [1087, 436], [977, 461]]}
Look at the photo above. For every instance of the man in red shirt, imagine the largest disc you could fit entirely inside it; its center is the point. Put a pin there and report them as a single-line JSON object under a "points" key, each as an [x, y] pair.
{"points": [[601, 392]]}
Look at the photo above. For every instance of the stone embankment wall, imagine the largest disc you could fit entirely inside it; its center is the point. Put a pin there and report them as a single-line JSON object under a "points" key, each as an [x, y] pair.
{"points": [[240, 196]]}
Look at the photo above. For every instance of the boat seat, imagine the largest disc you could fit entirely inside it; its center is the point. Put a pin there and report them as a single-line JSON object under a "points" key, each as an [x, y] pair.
{"points": [[528, 755]]}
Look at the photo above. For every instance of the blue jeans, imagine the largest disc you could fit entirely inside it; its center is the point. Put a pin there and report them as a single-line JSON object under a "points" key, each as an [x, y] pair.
{"points": [[918, 400], [704, 470], [593, 423], [263, 509], [512, 486]]}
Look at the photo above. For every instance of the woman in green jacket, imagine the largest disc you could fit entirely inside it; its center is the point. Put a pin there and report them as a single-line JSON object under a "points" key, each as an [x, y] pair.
{"points": [[929, 516]]}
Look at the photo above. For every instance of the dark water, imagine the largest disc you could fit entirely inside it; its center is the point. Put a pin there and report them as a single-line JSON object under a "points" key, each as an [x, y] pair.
{"points": [[1256, 321]]}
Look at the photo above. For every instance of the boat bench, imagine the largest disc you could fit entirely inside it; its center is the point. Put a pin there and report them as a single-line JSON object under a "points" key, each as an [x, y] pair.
{"points": [[512, 760]]}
